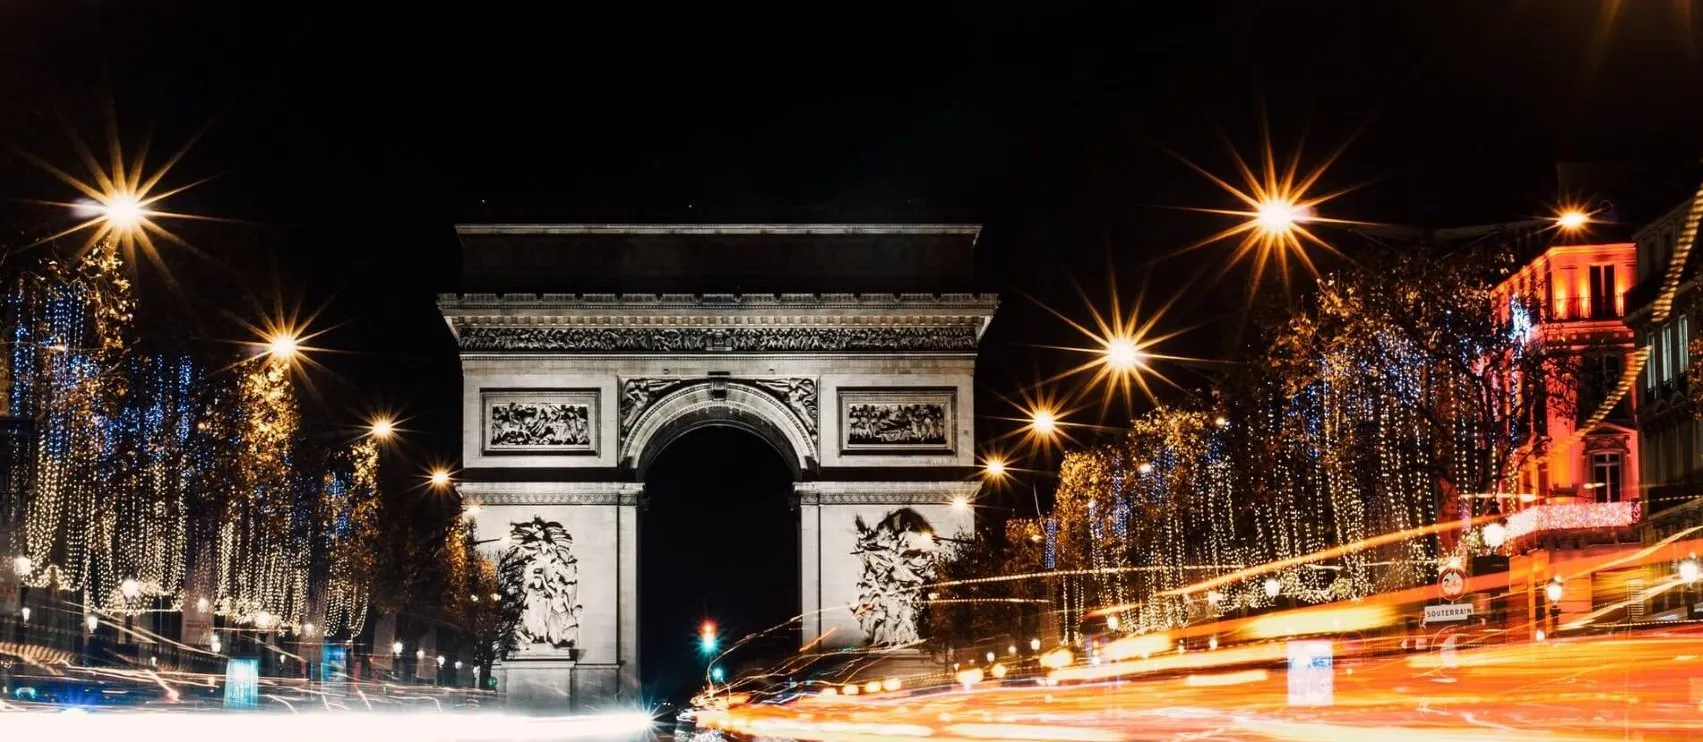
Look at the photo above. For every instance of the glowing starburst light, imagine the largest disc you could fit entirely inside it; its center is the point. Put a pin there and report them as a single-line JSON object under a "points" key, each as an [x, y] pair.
{"points": [[1572, 220], [120, 198], [283, 346], [123, 212], [1120, 346], [440, 478], [382, 429], [1043, 421], [1122, 355], [1279, 207], [1278, 216], [994, 467]]}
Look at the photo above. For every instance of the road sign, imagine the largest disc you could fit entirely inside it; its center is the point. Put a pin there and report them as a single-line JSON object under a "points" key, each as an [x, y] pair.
{"points": [[1452, 582], [1447, 613], [242, 683], [1311, 673]]}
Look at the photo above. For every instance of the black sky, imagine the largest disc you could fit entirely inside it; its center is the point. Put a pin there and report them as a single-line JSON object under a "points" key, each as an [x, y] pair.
{"points": [[343, 144]]}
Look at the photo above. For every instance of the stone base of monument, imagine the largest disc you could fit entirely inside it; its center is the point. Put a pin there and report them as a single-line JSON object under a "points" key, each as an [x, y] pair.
{"points": [[556, 685], [913, 667]]}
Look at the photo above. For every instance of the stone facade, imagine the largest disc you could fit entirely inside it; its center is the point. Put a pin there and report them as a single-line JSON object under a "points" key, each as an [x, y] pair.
{"points": [[868, 397]]}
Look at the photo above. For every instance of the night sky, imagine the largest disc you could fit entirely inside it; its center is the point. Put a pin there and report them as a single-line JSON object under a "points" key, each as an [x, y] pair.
{"points": [[341, 147]]}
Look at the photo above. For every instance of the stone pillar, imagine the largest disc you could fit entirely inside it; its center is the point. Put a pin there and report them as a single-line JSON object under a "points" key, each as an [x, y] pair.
{"points": [[627, 657], [834, 559], [595, 663], [810, 562]]}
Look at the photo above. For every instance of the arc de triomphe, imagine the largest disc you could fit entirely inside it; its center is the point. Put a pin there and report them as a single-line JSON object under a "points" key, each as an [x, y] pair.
{"points": [[849, 348]]}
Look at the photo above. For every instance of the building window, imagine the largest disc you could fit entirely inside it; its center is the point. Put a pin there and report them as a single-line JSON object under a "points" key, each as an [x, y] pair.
{"points": [[1650, 362], [1605, 476], [1602, 291], [1682, 339], [1664, 360]]}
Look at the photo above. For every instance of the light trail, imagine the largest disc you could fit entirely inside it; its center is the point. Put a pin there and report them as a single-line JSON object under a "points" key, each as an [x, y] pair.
{"points": [[294, 727], [1331, 553], [1586, 689]]}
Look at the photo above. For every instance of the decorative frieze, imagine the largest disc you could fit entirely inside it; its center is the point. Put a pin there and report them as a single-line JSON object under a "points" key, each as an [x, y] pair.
{"points": [[719, 339], [598, 302]]}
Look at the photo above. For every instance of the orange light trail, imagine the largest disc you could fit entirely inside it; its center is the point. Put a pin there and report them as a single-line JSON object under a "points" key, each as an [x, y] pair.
{"points": [[1331, 553]]}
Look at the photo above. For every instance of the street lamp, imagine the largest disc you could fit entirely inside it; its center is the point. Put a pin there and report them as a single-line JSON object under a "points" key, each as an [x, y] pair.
{"points": [[1121, 354], [130, 588], [382, 428], [1572, 219], [1688, 569], [24, 612], [1495, 534], [283, 346], [994, 467], [440, 661], [960, 503], [22, 566], [1272, 587], [440, 478], [122, 211], [1277, 216], [1554, 590], [396, 649], [216, 645], [93, 622], [1043, 421]]}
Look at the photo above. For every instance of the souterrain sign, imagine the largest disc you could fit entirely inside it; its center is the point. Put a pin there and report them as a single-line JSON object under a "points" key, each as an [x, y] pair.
{"points": [[1447, 613]]}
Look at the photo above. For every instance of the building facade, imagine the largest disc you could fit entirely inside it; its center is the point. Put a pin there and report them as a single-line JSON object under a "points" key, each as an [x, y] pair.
{"points": [[1579, 489], [1667, 300]]}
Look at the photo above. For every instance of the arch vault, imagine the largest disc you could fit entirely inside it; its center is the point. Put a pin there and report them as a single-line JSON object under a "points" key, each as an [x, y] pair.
{"points": [[861, 376]]}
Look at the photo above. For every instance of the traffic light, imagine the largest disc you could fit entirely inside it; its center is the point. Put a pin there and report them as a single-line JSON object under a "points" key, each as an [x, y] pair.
{"points": [[707, 637]]}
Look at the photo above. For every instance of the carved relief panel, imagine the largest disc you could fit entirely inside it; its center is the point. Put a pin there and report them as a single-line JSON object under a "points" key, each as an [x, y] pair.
{"points": [[540, 421], [898, 420]]}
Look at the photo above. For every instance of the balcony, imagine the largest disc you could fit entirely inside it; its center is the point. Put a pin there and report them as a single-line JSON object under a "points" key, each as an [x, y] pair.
{"points": [[1584, 308]]}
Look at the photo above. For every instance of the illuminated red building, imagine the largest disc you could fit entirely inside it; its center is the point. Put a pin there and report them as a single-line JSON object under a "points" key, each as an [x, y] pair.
{"points": [[1578, 488], [1573, 297]]}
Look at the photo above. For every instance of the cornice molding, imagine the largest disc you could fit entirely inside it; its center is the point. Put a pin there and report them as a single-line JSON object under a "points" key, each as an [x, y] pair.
{"points": [[624, 303], [550, 493], [884, 493], [723, 229]]}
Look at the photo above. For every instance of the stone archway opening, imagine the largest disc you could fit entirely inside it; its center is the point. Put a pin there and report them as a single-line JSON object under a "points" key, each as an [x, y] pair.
{"points": [[717, 522]]}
